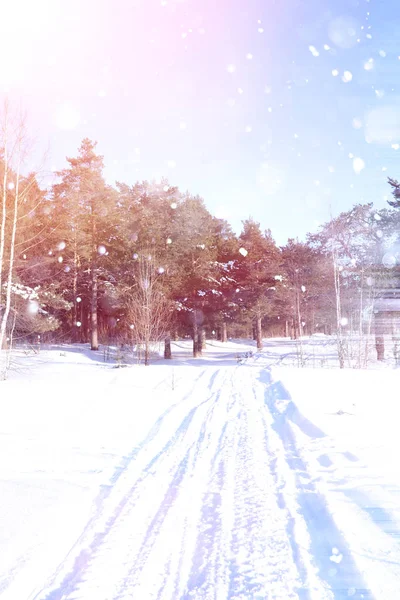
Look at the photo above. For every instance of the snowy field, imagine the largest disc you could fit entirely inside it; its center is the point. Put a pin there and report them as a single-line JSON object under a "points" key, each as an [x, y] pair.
{"points": [[207, 479]]}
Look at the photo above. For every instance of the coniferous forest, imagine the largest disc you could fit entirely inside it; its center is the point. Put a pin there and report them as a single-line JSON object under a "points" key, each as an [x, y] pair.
{"points": [[83, 261]]}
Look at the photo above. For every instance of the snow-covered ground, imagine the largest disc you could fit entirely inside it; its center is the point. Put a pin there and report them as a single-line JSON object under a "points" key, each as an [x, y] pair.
{"points": [[198, 479]]}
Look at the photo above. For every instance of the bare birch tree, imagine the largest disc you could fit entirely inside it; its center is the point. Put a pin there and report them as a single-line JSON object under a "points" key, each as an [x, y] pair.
{"points": [[149, 308], [13, 142]]}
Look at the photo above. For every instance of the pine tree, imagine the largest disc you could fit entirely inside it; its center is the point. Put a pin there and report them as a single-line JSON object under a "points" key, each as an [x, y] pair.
{"points": [[85, 207], [257, 267]]}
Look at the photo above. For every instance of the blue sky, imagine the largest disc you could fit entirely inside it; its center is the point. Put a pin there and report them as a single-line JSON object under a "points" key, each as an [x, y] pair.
{"points": [[284, 111]]}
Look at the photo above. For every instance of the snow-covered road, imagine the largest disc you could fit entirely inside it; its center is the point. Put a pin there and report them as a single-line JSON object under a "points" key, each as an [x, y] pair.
{"points": [[197, 511], [214, 497]]}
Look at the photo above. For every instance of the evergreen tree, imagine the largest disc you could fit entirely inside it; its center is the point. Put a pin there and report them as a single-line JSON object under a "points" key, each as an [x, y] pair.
{"points": [[85, 217]]}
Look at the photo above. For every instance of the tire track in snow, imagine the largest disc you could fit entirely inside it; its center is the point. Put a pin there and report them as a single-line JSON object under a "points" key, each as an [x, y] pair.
{"points": [[261, 564], [340, 574], [65, 577], [169, 510], [209, 574], [312, 587]]}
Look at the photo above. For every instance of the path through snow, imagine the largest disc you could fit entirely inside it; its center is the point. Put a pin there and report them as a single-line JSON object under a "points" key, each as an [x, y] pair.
{"points": [[217, 501]]}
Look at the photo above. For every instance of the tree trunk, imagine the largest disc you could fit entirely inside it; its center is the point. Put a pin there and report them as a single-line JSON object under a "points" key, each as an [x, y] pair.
{"points": [[287, 329], [195, 336], [293, 329], [379, 337], [3, 326], [203, 339], [254, 332], [224, 332], [339, 328], [84, 328], [75, 318], [74, 307], [259, 334], [4, 194], [200, 340], [146, 353], [298, 314], [94, 344], [167, 347]]}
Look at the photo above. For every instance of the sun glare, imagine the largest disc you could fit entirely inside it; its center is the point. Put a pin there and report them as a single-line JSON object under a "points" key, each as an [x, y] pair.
{"points": [[23, 23]]}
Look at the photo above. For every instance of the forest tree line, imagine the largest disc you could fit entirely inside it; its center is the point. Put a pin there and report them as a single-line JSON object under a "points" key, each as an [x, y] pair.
{"points": [[84, 261]]}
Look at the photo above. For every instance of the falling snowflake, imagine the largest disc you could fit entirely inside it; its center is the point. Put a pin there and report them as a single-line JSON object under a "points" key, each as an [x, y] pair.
{"points": [[382, 53], [357, 123], [335, 72], [347, 76], [313, 50], [358, 165], [33, 307], [369, 64], [231, 68], [243, 251], [101, 250], [395, 146], [249, 56]]}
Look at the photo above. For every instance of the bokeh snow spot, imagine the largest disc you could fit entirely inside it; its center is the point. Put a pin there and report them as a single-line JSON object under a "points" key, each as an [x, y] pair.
{"points": [[343, 32], [358, 165], [347, 76]]}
